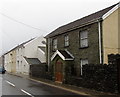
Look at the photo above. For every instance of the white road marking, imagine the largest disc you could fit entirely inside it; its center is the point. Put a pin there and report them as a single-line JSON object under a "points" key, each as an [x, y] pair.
{"points": [[10, 83], [26, 93], [20, 89]]}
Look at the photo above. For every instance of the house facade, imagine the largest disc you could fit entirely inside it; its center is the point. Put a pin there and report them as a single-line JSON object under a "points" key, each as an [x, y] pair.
{"points": [[16, 60], [29, 50], [88, 40], [111, 32], [10, 60]]}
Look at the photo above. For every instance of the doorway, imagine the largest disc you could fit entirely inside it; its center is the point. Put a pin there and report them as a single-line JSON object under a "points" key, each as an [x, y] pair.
{"points": [[59, 71]]}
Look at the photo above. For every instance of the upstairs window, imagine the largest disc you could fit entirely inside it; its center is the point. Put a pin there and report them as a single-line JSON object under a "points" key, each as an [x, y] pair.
{"points": [[54, 44], [66, 40], [84, 39]]}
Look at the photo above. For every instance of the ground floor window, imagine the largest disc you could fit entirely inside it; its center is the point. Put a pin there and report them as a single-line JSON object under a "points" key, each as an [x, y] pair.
{"points": [[83, 62], [18, 64]]}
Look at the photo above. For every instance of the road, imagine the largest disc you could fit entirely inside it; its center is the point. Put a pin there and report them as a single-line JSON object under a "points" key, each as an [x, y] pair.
{"points": [[0, 85], [14, 85]]}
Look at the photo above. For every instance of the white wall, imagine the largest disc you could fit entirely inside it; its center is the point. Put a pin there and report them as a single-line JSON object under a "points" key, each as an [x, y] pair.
{"points": [[19, 59], [32, 46], [41, 55], [29, 50], [7, 62]]}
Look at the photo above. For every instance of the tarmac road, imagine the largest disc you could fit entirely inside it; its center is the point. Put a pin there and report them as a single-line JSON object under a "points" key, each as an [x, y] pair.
{"points": [[14, 85]]}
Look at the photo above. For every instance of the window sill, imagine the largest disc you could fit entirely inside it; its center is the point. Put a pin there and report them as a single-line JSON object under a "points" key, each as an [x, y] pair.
{"points": [[83, 47], [66, 46]]}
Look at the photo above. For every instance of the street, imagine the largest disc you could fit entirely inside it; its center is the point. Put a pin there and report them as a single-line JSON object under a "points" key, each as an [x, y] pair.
{"points": [[0, 85], [14, 85]]}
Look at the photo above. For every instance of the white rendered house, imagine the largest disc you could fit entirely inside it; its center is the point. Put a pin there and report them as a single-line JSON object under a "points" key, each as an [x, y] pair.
{"points": [[34, 48]]}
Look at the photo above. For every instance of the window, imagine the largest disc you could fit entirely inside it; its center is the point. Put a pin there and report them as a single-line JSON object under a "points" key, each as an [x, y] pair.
{"points": [[18, 63], [84, 39], [54, 44], [83, 62], [10, 54], [66, 40]]}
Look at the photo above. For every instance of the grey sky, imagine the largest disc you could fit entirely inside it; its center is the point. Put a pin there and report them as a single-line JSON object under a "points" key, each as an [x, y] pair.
{"points": [[43, 15]]}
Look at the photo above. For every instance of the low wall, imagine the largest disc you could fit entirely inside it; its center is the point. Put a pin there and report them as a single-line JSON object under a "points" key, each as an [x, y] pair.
{"points": [[97, 77], [40, 71]]}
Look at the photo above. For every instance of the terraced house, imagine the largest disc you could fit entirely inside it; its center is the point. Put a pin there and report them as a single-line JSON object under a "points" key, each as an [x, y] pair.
{"points": [[10, 60], [88, 40], [20, 58]]}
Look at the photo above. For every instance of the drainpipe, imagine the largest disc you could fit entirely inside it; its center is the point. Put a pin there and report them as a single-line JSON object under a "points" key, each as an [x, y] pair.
{"points": [[100, 47], [48, 53]]}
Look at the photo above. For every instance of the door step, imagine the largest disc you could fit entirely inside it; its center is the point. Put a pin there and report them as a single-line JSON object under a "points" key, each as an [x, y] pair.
{"points": [[58, 82]]}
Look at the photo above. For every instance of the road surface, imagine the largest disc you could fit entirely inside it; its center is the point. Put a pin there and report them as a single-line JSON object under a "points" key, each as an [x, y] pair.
{"points": [[14, 85]]}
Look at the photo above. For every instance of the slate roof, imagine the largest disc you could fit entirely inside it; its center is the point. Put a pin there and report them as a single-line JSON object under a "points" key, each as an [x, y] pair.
{"points": [[42, 48], [19, 46], [73, 25], [33, 61], [26, 42], [65, 54]]}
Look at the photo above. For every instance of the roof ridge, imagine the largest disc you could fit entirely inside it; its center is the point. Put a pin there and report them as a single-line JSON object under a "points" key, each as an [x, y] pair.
{"points": [[93, 13], [96, 15]]}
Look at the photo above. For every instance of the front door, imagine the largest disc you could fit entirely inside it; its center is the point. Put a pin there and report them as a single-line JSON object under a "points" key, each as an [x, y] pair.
{"points": [[59, 71]]}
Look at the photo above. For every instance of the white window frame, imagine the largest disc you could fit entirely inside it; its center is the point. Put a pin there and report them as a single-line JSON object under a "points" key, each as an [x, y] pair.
{"points": [[82, 62], [54, 44], [84, 38], [66, 40]]}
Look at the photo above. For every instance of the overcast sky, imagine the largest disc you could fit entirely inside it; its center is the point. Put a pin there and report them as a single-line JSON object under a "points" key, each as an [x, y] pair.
{"points": [[21, 20]]}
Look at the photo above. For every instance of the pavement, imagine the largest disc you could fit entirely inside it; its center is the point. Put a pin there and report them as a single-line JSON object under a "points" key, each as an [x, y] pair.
{"points": [[74, 89]]}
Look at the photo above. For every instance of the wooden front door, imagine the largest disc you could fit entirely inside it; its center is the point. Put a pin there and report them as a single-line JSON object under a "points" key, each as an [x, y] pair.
{"points": [[59, 71]]}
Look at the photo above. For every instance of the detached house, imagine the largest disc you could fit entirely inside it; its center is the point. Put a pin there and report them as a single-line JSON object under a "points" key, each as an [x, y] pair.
{"points": [[88, 40]]}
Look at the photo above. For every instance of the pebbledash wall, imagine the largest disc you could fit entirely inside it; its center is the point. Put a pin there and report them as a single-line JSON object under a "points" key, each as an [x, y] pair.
{"points": [[91, 52]]}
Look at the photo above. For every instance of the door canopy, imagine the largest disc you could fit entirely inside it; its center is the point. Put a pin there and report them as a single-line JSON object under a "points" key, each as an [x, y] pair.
{"points": [[64, 54]]}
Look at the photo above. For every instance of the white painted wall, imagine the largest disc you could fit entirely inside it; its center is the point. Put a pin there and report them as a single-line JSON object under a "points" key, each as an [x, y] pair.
{"points": [[25, 67], [19, 59], [7, 62], [41, 55], [32, 46], [29, 50]]}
